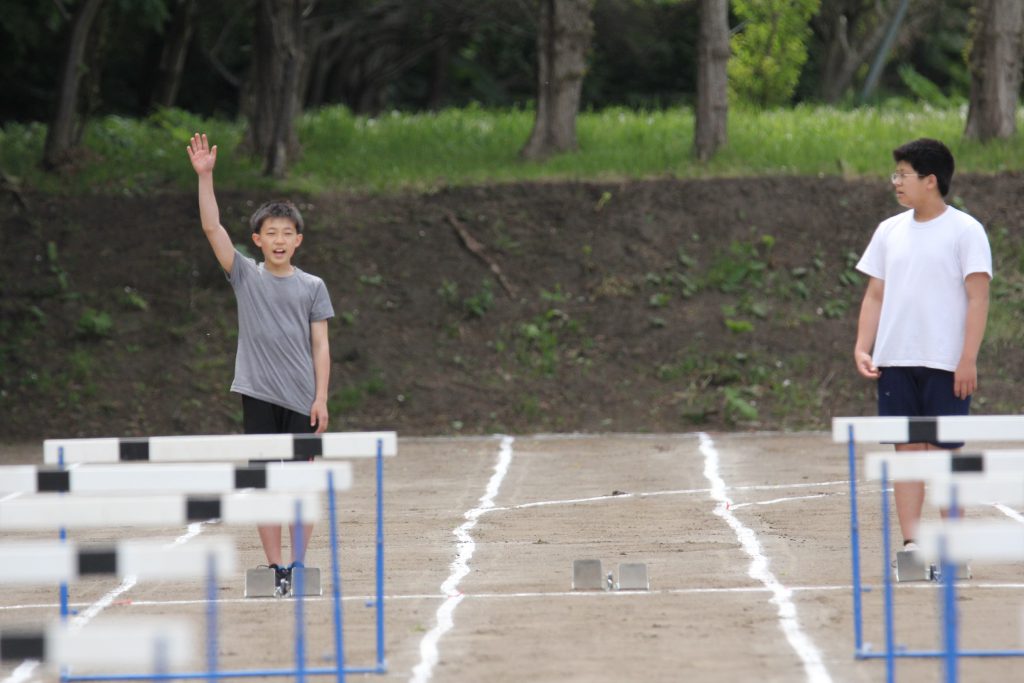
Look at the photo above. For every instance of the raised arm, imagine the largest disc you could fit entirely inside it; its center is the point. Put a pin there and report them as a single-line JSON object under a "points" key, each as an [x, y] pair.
{"points": [[204, 158]]}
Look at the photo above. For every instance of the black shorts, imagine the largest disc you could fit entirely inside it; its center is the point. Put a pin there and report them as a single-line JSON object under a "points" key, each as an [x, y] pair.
{"points": [[263, 417], [920, 392]]}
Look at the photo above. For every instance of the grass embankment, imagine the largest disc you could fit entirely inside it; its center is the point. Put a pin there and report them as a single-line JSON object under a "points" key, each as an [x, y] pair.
{"points": [[470, 146]]}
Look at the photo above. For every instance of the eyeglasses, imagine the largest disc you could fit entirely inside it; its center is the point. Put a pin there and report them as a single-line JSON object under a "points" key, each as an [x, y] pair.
{"points": [[897, 178]]}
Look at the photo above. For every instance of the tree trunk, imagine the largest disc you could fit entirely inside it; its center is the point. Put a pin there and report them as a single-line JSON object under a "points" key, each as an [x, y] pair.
{"points": [[172, 57], [844, 57], [712, 115], [272, 94], [60, 135], [995, 69], [563, 40]]}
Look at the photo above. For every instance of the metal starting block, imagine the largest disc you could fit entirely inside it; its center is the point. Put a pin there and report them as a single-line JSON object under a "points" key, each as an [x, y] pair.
{"points": [[963, 572], [909, 567], [633, 577], [260, 583], [587, 575]]}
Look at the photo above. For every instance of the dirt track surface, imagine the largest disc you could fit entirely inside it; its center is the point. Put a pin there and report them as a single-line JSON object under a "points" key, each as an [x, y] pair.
{"points": [[705, 618]]}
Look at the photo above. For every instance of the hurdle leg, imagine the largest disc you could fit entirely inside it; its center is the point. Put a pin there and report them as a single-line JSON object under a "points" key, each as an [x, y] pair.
{"points": [[858, 627], [381, 667], [949, 597], [339, 649], [890, 638], [297, 590], [211, 617]]}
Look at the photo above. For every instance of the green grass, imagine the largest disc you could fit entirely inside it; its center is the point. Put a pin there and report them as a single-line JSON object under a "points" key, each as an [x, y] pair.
{"points": [[473, 145]]}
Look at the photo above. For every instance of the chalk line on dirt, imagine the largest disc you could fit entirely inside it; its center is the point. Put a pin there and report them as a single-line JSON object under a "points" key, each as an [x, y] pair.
{"points": [[798, 639], [460, 567]]}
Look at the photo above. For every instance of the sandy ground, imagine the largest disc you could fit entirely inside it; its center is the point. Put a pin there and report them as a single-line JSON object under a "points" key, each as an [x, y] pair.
{"points": [[710, 614]]}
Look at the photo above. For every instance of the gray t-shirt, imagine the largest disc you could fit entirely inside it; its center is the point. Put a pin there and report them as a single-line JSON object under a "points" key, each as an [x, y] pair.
{"points": [[274, 362]]}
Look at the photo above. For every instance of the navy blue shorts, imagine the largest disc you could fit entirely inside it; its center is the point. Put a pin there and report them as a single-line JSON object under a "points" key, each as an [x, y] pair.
{"points": [[919, 392]]}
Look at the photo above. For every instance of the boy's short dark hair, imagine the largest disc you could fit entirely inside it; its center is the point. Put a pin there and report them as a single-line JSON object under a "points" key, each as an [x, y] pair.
{"points": [[928, 157], [276, 208]]}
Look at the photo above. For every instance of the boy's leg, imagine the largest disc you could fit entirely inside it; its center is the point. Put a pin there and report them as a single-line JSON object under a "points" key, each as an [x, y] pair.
{"points": [[899, 396], [261, 417], [297, 423], [940, 400]]}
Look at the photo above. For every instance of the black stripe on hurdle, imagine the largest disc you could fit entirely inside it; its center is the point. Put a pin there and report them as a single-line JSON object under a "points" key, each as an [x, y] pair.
{"points": [[14, 646], [201, 509], [306, 446], [58, 481], [253, 477], [968, 462], [133, 449], [922, 429], [97, 561]]}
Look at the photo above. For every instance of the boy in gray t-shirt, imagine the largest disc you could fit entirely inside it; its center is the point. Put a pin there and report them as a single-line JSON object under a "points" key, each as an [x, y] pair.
{"points": [[283, 362]]}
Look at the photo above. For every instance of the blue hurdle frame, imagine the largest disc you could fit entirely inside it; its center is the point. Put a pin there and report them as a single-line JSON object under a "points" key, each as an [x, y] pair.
{"points": [[300, 670], [949, 652]]}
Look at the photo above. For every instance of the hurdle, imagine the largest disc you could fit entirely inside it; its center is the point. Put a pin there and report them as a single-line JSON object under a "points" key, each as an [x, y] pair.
{"points": [[263, 450], [115, 642], [937, 465], [958, 540], [47, 562]]}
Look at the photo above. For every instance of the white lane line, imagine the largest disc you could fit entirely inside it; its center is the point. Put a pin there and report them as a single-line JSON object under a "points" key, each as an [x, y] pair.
{"points": [[538, 594], [460, 567], [23, 672], [1009, 512], [674, 492], [773, 501], [798, 640]]}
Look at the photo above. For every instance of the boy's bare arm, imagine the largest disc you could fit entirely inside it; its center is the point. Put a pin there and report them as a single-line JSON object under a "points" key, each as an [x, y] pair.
{"points": [[204, 158], [321, 373], [867, 328], [965, 378]]}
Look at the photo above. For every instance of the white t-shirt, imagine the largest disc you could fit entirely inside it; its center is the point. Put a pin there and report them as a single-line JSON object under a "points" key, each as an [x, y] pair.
{"points": [[924, 305]]}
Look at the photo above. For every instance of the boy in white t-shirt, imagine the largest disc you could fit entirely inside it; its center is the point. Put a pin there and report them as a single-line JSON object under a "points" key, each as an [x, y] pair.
{"points": [[924, 312]]}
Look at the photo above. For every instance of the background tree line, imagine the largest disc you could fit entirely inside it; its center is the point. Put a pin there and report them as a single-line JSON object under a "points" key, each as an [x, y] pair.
{"points": [[63, 61]]}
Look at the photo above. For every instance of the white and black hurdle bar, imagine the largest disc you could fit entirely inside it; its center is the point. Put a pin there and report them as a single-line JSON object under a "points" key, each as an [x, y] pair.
{"points": [[48, 562], [265, 447], [46, 511], [114, 642], [853, 430]]}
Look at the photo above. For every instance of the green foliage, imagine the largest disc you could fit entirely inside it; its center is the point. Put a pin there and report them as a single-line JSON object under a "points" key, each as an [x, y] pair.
{"points": [[741, 266], [130, 298], [539, 341], [481, 302], [350, 398], [94, 324], [459, 147], [922, 88], [770, 51], [737, 408]]}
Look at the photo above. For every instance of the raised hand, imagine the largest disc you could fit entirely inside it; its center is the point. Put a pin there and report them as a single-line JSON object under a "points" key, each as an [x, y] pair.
{"points": [[203, 157]]}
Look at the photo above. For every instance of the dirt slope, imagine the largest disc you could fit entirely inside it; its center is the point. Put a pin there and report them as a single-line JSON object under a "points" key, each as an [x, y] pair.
{"points": [[641, 306]]}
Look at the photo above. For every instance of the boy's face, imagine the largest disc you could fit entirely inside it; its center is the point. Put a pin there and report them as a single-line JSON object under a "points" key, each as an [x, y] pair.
{"points": [[277, 239], [912, 191]]}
